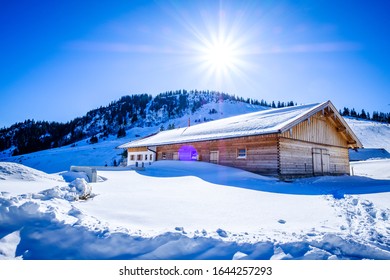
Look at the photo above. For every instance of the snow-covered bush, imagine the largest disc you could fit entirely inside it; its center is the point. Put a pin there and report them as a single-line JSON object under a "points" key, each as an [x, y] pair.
{"points": [[81, 188]]}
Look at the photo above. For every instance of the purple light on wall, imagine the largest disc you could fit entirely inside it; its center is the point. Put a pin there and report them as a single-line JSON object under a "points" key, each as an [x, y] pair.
{"points": [[187, 153]]}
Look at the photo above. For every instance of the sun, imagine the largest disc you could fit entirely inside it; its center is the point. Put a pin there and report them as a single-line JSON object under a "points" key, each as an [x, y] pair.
{"points": [[219, 46], [219, 55]]}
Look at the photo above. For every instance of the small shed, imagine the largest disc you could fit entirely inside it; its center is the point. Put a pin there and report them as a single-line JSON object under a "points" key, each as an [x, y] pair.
{"points": [[296, 141]]}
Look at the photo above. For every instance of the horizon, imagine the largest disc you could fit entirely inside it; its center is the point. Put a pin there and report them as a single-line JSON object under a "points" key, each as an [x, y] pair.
{"points": [[58, 63]]}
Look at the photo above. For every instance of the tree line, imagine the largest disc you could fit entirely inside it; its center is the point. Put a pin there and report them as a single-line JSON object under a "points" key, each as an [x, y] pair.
{"points": [[376, 116]]}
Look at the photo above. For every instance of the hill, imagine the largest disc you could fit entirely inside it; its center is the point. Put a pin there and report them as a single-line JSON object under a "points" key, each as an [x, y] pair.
{"points": [[372, 134], [104, 152], [140, 110]]}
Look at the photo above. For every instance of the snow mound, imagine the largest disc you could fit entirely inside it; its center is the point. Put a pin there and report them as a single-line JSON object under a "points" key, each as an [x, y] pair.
{"points": [[70, 176], [15, 171], [79, 189], [8, 246]]}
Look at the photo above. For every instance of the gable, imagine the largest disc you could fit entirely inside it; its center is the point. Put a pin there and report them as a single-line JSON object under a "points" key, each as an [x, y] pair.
{"points": [[316, 129], [323, 125]]}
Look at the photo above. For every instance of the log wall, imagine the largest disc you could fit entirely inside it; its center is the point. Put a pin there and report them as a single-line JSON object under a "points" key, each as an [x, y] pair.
{"points": [[296, 158], [261, 152]]}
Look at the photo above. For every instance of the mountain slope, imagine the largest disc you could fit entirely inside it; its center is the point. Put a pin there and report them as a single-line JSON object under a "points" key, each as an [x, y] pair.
{"points": [[371, 134], [105, 153], [140, 110]]}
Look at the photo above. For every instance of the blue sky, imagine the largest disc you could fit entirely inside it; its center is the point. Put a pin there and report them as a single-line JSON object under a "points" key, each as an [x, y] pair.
{"points": [[60, 59]]}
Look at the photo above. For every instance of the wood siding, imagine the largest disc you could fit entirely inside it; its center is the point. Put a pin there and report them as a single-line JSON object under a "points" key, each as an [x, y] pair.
{"points": [[261, 152], [317, 129], [297, 158], [137, 149]]}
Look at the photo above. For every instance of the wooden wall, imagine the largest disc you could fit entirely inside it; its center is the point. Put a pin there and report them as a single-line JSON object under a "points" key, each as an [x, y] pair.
{"points": [[317, 129], [261, 152], [296, 158], [137, 149], [296, 148]]}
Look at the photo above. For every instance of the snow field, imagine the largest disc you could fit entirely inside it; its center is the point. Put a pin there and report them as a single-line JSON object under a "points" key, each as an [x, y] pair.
{"points": [[185, 210]]}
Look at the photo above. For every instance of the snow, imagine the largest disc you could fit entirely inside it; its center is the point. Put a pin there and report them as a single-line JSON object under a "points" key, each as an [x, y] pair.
{"points": [[378, 168], [8, 245], [196, 210], [372, 134]]}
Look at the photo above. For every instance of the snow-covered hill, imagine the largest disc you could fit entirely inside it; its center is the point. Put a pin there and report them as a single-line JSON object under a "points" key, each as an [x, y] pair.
{"points": [[105, 153], [371, 134]]}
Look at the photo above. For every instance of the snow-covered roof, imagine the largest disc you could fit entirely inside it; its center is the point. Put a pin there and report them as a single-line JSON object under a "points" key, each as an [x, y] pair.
{"points": [[257, 123]]}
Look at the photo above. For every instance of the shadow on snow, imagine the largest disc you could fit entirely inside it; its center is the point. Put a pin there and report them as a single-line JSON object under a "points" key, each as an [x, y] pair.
{"points": [[338, 186]]}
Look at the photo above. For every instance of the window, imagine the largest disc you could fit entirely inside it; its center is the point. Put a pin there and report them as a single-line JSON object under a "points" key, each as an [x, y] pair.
{"points": [[194, 155], [150, 157], [241, 153], [164, 155], [139, 157], [146, 157], [132, 157]]}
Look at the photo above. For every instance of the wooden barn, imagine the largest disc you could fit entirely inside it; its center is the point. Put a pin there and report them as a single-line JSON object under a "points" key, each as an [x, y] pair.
{"points": [[298, 141]]}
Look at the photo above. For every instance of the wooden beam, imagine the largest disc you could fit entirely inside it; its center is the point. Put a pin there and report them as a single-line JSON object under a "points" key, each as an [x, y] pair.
{"points": [[329, 114], [341, 129]]}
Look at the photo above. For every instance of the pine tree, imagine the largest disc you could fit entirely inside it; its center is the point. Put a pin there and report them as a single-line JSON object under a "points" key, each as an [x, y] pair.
{"points": [[93, 140], [121, 132]]}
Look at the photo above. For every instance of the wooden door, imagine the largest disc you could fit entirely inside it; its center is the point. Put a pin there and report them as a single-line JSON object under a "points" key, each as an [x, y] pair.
{"points": [[214, 157], [325, 161], [320, 161]]}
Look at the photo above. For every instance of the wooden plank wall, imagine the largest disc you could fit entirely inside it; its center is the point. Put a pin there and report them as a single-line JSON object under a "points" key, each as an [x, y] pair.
{"points": [[317, 130], [262, 152], [137, 149], [296, 158]]}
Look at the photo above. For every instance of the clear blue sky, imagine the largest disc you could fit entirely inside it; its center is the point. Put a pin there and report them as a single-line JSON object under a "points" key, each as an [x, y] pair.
{"points": [[60, 59]]}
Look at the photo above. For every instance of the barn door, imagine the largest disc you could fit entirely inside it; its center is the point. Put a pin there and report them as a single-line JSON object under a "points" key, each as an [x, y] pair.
{"points": [[325, 161], [320, 161], [214, 157]]}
